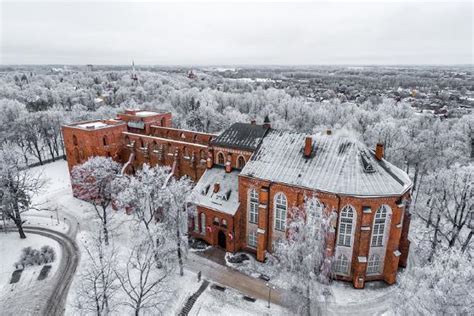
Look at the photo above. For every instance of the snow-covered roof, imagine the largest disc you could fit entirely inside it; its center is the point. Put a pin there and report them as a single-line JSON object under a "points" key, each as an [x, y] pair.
{"points": [[92, 125], [226, 200], [146, 113], [241, 136], [338, 164]]}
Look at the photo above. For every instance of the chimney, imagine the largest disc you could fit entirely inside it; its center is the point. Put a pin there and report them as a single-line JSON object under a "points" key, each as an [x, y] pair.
{"points": [[266, 122], [228, 165], [209, 161], [379, 151], [217, 187], [308, 146], [253, 121]]}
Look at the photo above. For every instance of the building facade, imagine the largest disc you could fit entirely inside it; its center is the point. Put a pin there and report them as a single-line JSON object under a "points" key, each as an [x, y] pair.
{"points": [[250, 176]]}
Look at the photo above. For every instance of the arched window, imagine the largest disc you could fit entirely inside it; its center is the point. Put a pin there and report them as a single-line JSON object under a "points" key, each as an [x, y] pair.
{"points": [[163, 121], [142, 143], [183, 136], [105, 141], [195, 138], [186, 152], [240, 162], [224, 223], [342, 265], [203, 223], [346, 226], [74, 140], [196, 222], [280, 209], [202, 155], [216, 221], [127, 140], [253, 206], [380, 222], [220, 159], [373, 266]]}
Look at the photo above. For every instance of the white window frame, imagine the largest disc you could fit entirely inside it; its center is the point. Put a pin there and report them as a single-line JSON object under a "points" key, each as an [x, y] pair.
{"points": [[346, 228], [379, 226], [196, 221], [374, 264], [253, 206], [203, 223], [280, 211], [219, 155], [342, 264], [252, 239]]}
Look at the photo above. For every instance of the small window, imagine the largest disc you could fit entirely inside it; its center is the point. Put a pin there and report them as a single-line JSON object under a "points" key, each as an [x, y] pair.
{"points": [[216, 221], [203, 223], [202, 154], [74, 140], [240, 162], [183, 136], [105, 141], [220, 159], [252, 240], [163, 121], [224, 223]]}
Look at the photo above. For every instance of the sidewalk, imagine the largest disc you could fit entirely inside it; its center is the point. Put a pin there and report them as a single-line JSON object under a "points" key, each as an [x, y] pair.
{"points": [[232, 278]]}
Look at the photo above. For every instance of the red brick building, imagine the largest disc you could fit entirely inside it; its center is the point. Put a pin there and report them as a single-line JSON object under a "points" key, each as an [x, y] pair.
{"points": [[250, 176]]}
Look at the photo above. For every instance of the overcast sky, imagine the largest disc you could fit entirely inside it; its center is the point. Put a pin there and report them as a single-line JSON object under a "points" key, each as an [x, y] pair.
{"points": [[105, 32]]}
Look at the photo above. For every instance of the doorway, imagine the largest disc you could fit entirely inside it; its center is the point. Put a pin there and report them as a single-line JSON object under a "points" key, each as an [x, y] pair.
{"points": [[221, 239]]}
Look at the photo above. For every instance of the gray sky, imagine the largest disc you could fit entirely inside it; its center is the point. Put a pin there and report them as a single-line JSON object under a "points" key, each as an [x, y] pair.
{"points": [[336, 32]]}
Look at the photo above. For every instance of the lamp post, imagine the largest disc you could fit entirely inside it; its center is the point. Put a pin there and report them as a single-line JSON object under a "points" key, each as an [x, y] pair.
{"points": [[270, 288]]}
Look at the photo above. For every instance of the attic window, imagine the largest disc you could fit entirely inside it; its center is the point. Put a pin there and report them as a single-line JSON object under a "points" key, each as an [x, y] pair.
{"points": [[206, 189], [368, 167]]}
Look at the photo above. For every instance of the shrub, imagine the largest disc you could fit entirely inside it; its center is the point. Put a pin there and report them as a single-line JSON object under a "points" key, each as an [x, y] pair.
{"points": [[31, 257]]}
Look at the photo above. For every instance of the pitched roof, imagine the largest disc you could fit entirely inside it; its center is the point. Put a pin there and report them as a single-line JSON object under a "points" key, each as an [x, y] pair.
{"points": [[226, 200], [241, 136], [338, 164]]}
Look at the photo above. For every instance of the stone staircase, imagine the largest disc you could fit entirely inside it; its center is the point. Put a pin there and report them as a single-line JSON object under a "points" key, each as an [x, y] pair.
{"points": [[192, 299]]}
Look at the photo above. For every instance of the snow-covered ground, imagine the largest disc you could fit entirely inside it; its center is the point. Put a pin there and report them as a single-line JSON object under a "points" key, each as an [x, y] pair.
{"points": [[11, 246], [231, 302]]}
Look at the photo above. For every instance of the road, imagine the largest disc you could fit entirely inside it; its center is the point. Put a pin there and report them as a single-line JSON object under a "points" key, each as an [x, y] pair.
{"points": [[50, 298]]}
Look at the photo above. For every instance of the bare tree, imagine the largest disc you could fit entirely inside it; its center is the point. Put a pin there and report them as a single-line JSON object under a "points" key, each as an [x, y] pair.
{"points": [[18, 186], [98, 281], [142, 281], [92, 182], [448, 207]]}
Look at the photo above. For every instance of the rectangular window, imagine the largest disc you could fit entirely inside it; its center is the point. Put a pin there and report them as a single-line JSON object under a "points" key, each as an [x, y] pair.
{"points": [[253, 214], [252, 240]]}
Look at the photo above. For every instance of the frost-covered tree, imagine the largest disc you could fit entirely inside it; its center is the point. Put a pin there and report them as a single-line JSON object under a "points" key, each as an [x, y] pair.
{"points": [[92, 182], [143, 281], [18, 186], [448, 206], [303, 254], [442, 287], [98, 285]]}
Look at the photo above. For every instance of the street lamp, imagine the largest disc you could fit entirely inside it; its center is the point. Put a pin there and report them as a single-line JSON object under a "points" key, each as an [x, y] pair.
{"points": [[270, 288]]}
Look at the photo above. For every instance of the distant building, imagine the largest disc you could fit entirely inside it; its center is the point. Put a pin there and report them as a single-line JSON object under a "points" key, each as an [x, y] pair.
{"points": [[250, 176]]}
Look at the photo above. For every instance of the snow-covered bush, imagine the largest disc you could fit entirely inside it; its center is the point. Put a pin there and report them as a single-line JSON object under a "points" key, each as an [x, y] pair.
{"points": [[32, 257]]}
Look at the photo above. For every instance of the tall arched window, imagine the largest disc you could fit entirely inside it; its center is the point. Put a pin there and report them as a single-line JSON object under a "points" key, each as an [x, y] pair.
{"points": [[380, 222], [280, 208], [196, 222], [346, 226], [373, 266], [220, 159], [203, 223], [74, 140], [105, 141], [342, 264], [253, 206], [240, 162]]}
